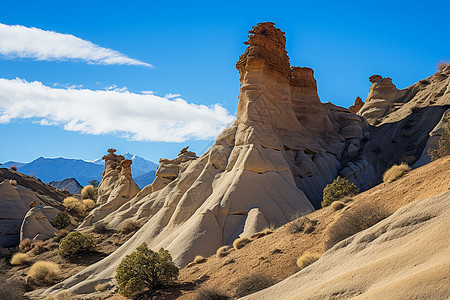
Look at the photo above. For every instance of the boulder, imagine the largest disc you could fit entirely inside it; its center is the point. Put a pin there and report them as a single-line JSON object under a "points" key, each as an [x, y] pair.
{"points": [[36, 224]]}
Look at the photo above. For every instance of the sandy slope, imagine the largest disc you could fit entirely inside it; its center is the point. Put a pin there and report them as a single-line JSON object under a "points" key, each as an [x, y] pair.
{"points": [[259, 258], [406, 256]]}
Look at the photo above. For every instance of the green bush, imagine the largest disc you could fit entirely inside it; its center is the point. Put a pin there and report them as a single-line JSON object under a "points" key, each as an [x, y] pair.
{"points": [[144, 271], [76, 243], [61, 220], [337, 190]]}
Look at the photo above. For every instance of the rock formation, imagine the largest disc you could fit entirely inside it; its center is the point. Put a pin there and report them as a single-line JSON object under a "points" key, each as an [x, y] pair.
{"points": [[357, 106], [116, 188], [406, 256], [36, 224], [14, 205], [274, 161]]}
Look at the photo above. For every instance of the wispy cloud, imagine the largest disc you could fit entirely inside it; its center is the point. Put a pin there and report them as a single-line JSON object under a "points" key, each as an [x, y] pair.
{"points": [[131, 115], [33, 43], [170, 96]]}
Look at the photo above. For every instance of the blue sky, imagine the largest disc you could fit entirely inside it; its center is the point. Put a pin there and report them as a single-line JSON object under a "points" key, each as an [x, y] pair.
{"points": [[193, 48]]}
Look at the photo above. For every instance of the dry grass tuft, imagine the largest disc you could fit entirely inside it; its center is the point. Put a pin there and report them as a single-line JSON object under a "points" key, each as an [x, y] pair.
{"points": [[306, 259], [199, 259], [395, 172], [20, 259], [211, 294], [88, 192], [38, 247], [252, 283], [223, 251], [25, 245], [262, 233], [89, 204], [303, 224], [73, 205], [240, 242], [353, 221], [44, 272], [13, 182], [128, 226], [337, 205], [441, 65]]}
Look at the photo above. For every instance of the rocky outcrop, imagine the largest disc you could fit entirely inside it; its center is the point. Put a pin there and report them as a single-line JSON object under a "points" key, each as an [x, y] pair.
{"points": [[36, 224], [357, 106], [14, 205], [70, 184], [116, 188]]}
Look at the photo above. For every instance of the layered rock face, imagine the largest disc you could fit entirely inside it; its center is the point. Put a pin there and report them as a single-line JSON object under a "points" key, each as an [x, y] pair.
{"points": [[116, 188], [356, 106]]}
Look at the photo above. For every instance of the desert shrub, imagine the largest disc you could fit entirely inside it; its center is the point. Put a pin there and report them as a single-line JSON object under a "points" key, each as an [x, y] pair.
{"points": [[240, 242], [303, 224], [337, 205], [25, 245], [44, 272], [20, 259], [76, 243], [441, 65], [89, 204], [14, 168], [73, 205], [199, 259], [262, 233], [306, 259], [88, 192], [100, 228], [223, 251], [38, 247], [395, 172], [61, 220], [144, 271], [337, 190], [210, 294], [13, 182], [353, 221], [128, 226], [11, 289], [252, 283], [442, 147]]}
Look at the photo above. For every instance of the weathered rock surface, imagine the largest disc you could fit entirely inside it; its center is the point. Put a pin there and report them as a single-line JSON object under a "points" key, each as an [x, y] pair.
{"points": [[36, 224], [274, 161], [116, 188], [357, 106], [406, 256], [14, 201]]}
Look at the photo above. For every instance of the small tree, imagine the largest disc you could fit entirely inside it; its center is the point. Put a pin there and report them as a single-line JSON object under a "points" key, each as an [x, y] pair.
{"points": [[442, 147], [145, 270], [337, 190]]}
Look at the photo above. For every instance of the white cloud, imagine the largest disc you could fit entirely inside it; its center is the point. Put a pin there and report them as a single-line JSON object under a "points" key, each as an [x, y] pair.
{"points": [[131, 115], [147, 92], [34, 43], [170, 96]]}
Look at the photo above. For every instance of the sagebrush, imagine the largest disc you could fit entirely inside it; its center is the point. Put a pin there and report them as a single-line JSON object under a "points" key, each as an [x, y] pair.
{"points": [[20, 259], [61, 220], [89, 192], [338, 189], [145, 270], [306, 259]]}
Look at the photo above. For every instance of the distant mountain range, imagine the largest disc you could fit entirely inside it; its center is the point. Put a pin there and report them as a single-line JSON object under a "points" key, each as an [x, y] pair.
{"points": [[57, 169]]}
